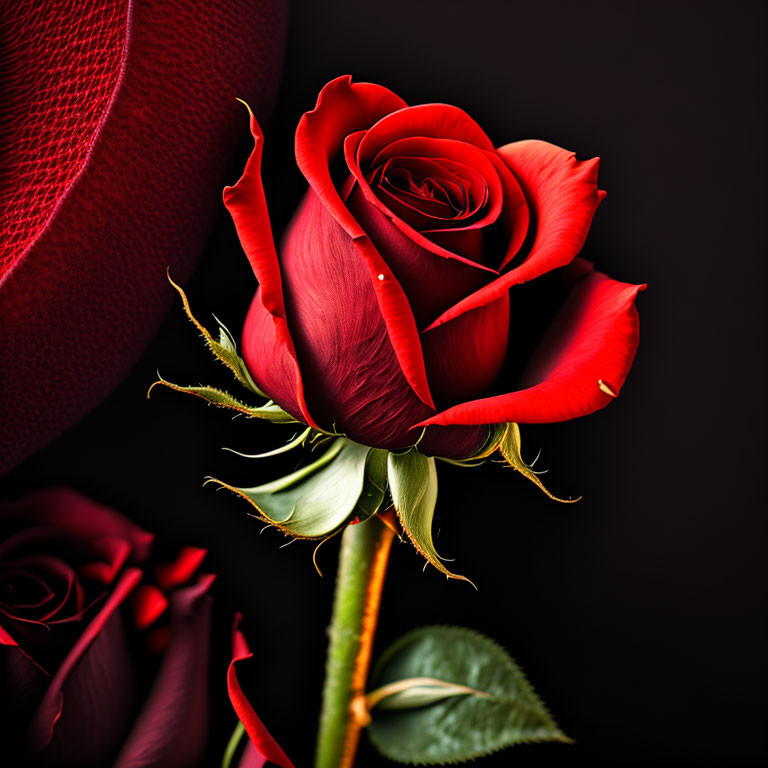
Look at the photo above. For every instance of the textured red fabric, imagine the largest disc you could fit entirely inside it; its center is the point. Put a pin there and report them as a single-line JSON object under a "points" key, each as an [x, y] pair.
{"points": [[119, 119]]}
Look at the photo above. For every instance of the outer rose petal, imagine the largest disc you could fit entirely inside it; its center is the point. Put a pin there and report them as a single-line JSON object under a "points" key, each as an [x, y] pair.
{"points": [[593, 338], [353, 377], [248, 208], [342, 108], [172, 728], [261, 739], [79, 719], [83, 518], [562, 195]]}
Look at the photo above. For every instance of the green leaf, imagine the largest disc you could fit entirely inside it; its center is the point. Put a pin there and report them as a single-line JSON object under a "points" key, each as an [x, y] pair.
{"points": [[270, 411], [315, 500], [225, 349], [510, 446], [503, 710], [375, 486], [413, 483]]}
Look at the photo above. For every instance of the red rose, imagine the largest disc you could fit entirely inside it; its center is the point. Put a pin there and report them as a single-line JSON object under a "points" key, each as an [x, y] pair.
{"points": [[389, 308], [105, 662]]}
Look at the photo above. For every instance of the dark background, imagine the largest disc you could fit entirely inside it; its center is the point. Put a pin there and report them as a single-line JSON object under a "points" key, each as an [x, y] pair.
{"points": [[638, 613]]}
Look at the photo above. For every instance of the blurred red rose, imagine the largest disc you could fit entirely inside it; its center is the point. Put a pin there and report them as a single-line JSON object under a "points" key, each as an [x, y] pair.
{"points": [[105, 661], [389, 309]]}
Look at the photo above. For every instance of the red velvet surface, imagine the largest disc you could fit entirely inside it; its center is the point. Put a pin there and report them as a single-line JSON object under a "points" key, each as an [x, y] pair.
{"points": [[118, 124]]}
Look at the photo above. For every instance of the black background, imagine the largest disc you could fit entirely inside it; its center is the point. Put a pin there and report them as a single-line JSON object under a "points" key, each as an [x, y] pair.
{"points": [[637, 613]]}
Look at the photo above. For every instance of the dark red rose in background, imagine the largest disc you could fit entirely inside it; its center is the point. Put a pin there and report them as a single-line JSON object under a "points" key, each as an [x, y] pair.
{"points": [[388, 310], [104, 659], [106, 179]]}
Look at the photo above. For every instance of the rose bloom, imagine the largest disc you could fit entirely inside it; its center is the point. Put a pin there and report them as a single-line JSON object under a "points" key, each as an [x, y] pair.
{"points": [[398, 310], [103, 659]]}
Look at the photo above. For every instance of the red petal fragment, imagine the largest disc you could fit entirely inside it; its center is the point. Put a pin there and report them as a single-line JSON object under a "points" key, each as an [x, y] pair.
{"points": [[562, 195], [593, 338], [181, 570], [247, 205], [435, 121], [172, 727], [149, 603], [260, 737]]}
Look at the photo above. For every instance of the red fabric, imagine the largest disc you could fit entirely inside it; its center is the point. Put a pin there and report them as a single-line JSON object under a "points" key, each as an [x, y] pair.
{"points": [[398, 279], [119, 121]]}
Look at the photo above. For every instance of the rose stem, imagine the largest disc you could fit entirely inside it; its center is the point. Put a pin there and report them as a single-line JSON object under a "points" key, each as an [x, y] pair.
{"points": [[362, 566]]}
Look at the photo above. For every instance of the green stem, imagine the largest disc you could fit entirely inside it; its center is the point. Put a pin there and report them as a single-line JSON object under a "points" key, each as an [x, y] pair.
{"points": [[362, 566], [234, 743]]}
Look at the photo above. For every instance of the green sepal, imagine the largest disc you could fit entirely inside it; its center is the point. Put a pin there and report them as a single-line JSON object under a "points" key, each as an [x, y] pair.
{"points": [[316, 500], [219, 397], [490, 445], [300, 439], [225, 349], [375, 485], [510, 447], [500, 709], [416, 692], [413, 484]]}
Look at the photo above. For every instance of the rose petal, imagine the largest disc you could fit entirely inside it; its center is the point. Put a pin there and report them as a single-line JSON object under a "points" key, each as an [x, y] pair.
{"points": [[87, 521], [465, 356], [436, 121], [172, 727], [348, 361], [562, 195], [344, 107], [415, 267], [449, 149], [252, 758], [149, 603], [80, 720], [260, 737], [24, 682], [182, 569], [246, 204], [593, 339]]}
